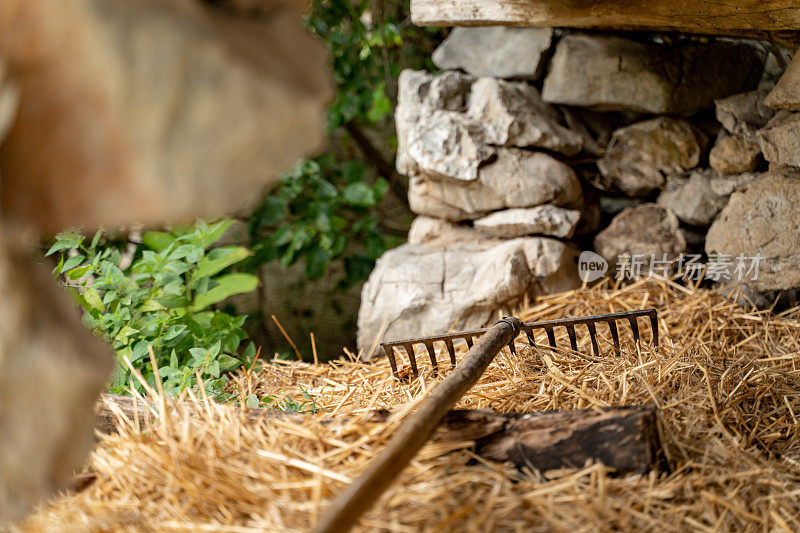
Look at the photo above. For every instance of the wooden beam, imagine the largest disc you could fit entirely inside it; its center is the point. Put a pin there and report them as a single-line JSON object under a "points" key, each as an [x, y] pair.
{"points": [[777, 20]]}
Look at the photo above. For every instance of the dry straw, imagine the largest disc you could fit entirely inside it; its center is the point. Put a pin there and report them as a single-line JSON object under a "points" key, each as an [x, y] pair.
{"points": [[726, 379]]}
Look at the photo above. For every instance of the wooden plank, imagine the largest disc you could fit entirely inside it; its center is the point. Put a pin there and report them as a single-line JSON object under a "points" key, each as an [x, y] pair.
{"points": [[776, 19]]}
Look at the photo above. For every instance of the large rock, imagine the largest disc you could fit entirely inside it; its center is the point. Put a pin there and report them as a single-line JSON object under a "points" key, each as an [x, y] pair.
{"points": [[692, 199], [780, 139], [424, 290], [763, 219], [516, 178], [733, 154], [786, 93], [419, 95], [647, 230], [52, 370], [609, 73], [642, 155], [495, 51], [428, 230], [539, 220], [744, 114], [153, 110], [449, 145], [514, 114]]}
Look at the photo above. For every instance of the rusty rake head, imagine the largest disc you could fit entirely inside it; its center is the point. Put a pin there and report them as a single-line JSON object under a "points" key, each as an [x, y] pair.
{"points": [[528, 327]]}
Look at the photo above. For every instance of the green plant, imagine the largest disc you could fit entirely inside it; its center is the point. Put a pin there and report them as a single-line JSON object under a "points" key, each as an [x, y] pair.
{"points": [[163, 300], [319, 209], [307, 405], [330, 208]]}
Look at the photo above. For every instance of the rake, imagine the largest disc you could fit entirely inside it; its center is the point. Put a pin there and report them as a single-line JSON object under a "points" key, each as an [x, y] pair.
{"points": [[415, 431]]}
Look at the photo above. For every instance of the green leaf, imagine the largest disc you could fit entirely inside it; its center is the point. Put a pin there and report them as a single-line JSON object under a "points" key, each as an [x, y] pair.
{"points": [[78, 273], [216, 231], [359, 194], [150, 305], [72, 262], [251, 401], [158, 240], [96, 238], [229, 285], [93, 299], [220, 258], [213, 369], [226, 362]]}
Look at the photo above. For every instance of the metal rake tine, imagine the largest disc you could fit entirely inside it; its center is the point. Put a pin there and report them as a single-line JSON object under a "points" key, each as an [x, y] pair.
{"points": [[531, 338], [634, 329], [392, 360], [593, 336], [432, 355], [654, 326], [551, 337], [612, 325], [573, 341], [451, 350], [468, 338], [409, 348]]}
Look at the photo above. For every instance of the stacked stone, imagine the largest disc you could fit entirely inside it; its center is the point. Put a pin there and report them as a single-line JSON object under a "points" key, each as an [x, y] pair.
{"points": [[509, 148]]}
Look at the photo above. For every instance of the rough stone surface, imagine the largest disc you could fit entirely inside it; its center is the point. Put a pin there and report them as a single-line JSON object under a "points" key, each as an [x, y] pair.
{"points": [[516, 178], [733, 154], [448, 145], [692, 199], [744, 114], [428, 230], [513, 114], [418, 95], [727, 184], [643, 230], [424, 290], [165, 109], [763, 219], [495, 51], [539, 220], [786, 93], [780, 139], [641, 155], [611, 73], [52, 370]]}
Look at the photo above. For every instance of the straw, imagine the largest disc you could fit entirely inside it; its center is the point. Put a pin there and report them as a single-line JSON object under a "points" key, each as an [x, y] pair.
{"points": [[727, 380]]}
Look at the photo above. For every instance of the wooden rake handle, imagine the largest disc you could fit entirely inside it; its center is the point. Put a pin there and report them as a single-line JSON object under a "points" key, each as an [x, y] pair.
{"points": [[416, 430]]}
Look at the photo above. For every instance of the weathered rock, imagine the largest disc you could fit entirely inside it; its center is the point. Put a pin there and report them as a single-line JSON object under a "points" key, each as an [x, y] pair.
{"points": [[418, 95], [449, 145], [646, 230], [516, 178], [539, 220], [763, 219], [622, 74], [439, 232], [165, 110], [513, 114], [692, 199], [744, 114], [423, 290], [725, 185], [52, 370], [641, 155], [733, 154], [780, 139], [496, 51], [786, 93]]}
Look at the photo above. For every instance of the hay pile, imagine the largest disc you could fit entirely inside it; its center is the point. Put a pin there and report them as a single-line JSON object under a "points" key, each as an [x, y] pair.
{"points": [[726, 379]]}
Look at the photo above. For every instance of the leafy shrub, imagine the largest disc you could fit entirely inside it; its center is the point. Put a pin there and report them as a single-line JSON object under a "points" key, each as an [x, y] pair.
{"points": [[318, 208], [163, 299]]}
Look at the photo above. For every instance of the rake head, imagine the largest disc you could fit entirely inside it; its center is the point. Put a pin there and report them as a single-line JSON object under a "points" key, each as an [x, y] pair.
{"points": [[528, 327]]}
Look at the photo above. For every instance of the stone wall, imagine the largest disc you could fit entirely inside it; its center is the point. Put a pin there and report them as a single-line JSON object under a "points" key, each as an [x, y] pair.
{"points": [[533, 144]]}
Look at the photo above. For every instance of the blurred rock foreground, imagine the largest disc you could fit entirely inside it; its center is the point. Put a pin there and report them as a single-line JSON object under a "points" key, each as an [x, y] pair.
{"points": [[114, 112]]}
